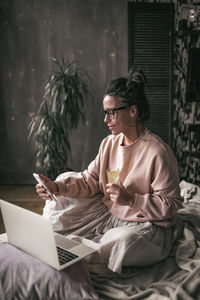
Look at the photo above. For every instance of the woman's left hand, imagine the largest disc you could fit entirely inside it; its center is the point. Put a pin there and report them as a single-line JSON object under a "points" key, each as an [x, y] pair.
{"points": [[118, 194]]}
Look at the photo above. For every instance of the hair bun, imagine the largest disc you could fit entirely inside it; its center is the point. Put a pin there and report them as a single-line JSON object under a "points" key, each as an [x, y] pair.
{"points": [[136, 76]]}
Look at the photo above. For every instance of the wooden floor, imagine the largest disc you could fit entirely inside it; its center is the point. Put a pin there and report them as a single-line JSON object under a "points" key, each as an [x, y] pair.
{"points": [[21, 195]]}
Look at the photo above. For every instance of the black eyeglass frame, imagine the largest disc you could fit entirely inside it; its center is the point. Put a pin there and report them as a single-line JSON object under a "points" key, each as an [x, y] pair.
{"points": [[111, 111]]}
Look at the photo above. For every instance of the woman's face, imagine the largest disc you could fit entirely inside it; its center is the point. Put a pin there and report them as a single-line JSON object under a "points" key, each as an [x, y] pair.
{"points": [[121, 120]]}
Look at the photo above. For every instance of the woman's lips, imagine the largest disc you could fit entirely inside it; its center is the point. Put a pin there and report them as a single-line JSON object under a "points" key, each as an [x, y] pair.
{"points": [[111, 127]]}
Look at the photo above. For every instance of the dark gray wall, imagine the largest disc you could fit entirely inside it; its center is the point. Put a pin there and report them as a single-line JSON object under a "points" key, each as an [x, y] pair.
{"points": [[91, 32]]}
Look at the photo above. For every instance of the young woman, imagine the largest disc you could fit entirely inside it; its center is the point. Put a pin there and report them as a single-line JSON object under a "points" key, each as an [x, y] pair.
{"points": [[138, 228]]}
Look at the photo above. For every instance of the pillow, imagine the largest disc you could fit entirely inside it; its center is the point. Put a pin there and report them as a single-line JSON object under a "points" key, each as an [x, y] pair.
{"points": [[25, 277], [190, 192], [65, 213]]}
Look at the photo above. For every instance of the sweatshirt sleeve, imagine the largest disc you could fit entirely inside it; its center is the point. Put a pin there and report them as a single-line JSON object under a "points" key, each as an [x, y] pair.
{"points": [[164, 199], [82, 184]]}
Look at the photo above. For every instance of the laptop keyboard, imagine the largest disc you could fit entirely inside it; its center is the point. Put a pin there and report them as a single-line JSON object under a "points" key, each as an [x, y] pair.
{"points": [[65, 256]]}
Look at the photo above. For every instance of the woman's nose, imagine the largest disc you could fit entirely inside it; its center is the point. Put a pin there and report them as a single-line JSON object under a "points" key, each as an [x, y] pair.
{"points": [[106, 119]]}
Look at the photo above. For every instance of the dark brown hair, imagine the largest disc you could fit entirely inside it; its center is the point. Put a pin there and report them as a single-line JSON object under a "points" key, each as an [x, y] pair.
{"points": [[130, 90]]}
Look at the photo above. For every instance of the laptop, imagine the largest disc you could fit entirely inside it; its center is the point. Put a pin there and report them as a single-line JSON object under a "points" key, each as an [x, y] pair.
{"points": [[34, 234]]}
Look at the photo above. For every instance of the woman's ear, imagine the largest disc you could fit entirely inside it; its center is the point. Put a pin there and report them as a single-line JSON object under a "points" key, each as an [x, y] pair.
{"points": [[133, 111]]}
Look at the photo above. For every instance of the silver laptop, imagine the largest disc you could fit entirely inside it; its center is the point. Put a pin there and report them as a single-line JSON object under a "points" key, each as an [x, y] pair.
{"points": [[34, 234]]}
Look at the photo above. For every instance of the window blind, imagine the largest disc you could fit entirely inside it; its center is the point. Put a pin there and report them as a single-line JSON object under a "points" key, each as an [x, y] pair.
{"points": [[150, 28]]}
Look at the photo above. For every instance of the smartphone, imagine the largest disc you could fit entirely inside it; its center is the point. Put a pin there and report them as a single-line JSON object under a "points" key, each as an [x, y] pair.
{"points": [[40, 180]]}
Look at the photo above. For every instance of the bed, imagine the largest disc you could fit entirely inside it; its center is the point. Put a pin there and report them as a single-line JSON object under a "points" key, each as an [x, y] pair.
{"points": [[177, 277]]}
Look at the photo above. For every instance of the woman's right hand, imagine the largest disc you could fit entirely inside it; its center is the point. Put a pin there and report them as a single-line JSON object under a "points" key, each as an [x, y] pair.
{"points": [[40, 189]]}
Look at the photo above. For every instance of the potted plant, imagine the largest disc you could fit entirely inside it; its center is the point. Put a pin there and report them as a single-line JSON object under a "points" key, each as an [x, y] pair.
{"points": [[60, 112]]}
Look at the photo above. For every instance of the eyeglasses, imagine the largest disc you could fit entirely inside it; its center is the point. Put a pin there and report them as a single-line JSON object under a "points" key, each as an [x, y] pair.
{"points": [[110, 112]]}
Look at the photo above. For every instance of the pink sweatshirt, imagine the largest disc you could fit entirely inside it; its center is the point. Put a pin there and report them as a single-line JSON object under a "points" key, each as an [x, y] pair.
{"points": [[148, 170]]}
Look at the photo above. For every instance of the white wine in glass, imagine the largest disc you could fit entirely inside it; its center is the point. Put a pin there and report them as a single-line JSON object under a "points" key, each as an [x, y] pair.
{"points": [[112, 175]]}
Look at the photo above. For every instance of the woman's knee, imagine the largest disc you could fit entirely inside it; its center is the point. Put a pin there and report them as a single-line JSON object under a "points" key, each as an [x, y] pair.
{"points": [[118, 234]]}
